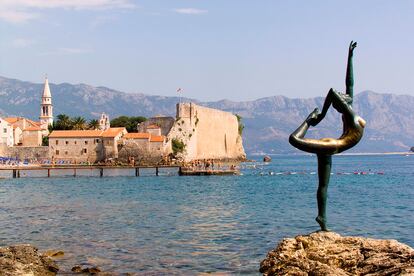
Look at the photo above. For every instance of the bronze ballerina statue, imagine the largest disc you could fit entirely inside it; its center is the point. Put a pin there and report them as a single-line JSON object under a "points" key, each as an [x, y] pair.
{"points": [[353, 129]]}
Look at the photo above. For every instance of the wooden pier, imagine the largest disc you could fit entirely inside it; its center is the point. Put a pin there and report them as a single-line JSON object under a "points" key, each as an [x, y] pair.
{"points": [[16, 171], [99, 171]]}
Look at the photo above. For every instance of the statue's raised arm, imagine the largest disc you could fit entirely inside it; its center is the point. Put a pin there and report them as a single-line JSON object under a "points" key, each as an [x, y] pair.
{"points": [[349, 80]]}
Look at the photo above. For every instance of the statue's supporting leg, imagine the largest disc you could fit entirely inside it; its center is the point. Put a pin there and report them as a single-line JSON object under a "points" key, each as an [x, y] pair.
{"points": [[324, 173]]}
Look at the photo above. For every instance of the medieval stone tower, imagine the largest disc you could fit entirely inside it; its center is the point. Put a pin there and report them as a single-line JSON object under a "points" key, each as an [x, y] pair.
{"points": [[46, 108]]}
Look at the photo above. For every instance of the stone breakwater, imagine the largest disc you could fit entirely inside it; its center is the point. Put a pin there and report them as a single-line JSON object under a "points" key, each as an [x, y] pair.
{"points": [[328, 253], [25, 259]]}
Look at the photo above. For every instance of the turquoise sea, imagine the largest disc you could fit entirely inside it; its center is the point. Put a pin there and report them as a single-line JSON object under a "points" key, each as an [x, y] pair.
{"points": [[188, 225]]}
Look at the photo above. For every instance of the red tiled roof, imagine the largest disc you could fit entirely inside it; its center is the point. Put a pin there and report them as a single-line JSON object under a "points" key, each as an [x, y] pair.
{"points": [[34, 128], [152, 127], [75, 133], [12, 120], [137, 136], [113, 132], [33, 122], [156, 138]]}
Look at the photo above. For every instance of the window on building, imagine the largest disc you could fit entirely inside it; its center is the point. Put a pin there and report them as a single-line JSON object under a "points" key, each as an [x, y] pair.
{"points": [[57, 152], [75, 142], [97, 141], [4, 130], [57, 142], [85, 151], [67, 142], [86, 142], [66, 152]]}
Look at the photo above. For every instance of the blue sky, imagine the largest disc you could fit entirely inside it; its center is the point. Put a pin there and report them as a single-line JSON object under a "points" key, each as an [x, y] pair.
{"points": [[234, 49]]}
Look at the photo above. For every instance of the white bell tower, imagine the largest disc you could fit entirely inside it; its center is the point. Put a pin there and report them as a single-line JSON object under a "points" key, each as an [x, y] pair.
{"points": [[46, 108]]}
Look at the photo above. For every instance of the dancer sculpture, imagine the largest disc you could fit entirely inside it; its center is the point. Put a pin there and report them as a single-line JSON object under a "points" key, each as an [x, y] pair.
{"points": [[353, 129]]}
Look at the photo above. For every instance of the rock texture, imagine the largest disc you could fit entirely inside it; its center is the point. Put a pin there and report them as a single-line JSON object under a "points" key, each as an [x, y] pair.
{"points": [[328, 253], [25, 259]]}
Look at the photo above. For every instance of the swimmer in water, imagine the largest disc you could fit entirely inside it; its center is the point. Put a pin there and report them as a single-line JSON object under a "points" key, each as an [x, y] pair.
{"points": [[353, 129]]}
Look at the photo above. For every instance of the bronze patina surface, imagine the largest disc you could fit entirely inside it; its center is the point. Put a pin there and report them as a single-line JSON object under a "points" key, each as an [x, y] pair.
{"points": [[324, 148]]}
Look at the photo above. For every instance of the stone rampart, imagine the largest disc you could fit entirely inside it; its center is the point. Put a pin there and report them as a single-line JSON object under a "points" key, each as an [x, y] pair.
{"points": [[207, 133], [22, 152]]}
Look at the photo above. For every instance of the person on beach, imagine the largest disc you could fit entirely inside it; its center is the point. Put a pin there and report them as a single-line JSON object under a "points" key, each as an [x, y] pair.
{"points": [[324, 148]]}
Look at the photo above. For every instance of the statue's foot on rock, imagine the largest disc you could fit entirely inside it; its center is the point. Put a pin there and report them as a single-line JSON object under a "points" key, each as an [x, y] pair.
{"points": [[322, 223]]}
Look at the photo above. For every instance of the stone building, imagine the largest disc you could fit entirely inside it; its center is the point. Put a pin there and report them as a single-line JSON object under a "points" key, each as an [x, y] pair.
{"points": [[76, 145], [154, 130], [6, 133], [110, 139], [26, 132], [144, 147], [91, 146]]}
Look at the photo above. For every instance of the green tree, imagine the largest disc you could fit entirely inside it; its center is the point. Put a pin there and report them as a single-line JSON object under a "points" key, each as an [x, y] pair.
{"points": [[45, 141], [241, 125], [93, 124], [130, 123], [177, 146], [63, 122], [79, 123]]}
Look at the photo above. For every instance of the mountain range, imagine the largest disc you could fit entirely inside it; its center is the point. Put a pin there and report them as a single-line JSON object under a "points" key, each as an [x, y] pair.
{"points": [[268, 121]]}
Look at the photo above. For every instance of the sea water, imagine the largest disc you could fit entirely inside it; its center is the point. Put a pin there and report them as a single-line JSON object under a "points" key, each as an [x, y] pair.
{"points": [[186, 225]]}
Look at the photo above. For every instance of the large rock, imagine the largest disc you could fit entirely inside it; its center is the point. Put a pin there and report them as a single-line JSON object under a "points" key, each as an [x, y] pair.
{"points": [[25, 259], [328, 253]]}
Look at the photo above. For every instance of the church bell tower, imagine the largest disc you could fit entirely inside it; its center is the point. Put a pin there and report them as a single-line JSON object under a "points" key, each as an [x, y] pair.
{"points": [[46, 108]]}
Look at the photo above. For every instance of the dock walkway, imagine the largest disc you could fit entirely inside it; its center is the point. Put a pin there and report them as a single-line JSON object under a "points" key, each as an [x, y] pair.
{"points": [[17, 170]]}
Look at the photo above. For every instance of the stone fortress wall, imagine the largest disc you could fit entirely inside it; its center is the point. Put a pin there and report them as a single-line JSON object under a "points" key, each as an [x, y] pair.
{"points": [[207, 133], [21, 152]]}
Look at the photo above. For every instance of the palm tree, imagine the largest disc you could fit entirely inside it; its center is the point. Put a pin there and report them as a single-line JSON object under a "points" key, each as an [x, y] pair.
{"points": [[93, 124], [79, 123], [63, 122]]}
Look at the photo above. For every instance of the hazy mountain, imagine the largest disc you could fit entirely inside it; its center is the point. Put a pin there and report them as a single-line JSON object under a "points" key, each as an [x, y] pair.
{"points": [[268, 121]]}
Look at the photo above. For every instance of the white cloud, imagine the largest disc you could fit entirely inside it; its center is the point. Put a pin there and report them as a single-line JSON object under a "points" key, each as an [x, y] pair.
{"points": [[20, 11], [22, 42], [190, 11]]}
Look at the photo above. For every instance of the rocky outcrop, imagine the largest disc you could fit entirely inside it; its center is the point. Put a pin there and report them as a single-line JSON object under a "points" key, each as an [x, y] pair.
{"points": [[25, 259], [328, 253]]}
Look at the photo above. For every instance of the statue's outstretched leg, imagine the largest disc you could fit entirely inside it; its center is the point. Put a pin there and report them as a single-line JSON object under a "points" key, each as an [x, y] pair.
{"points": [[324, 173]]}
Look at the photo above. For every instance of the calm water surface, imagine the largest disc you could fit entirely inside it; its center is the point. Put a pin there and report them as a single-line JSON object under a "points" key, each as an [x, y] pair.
{"points": [[187, 225]]}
